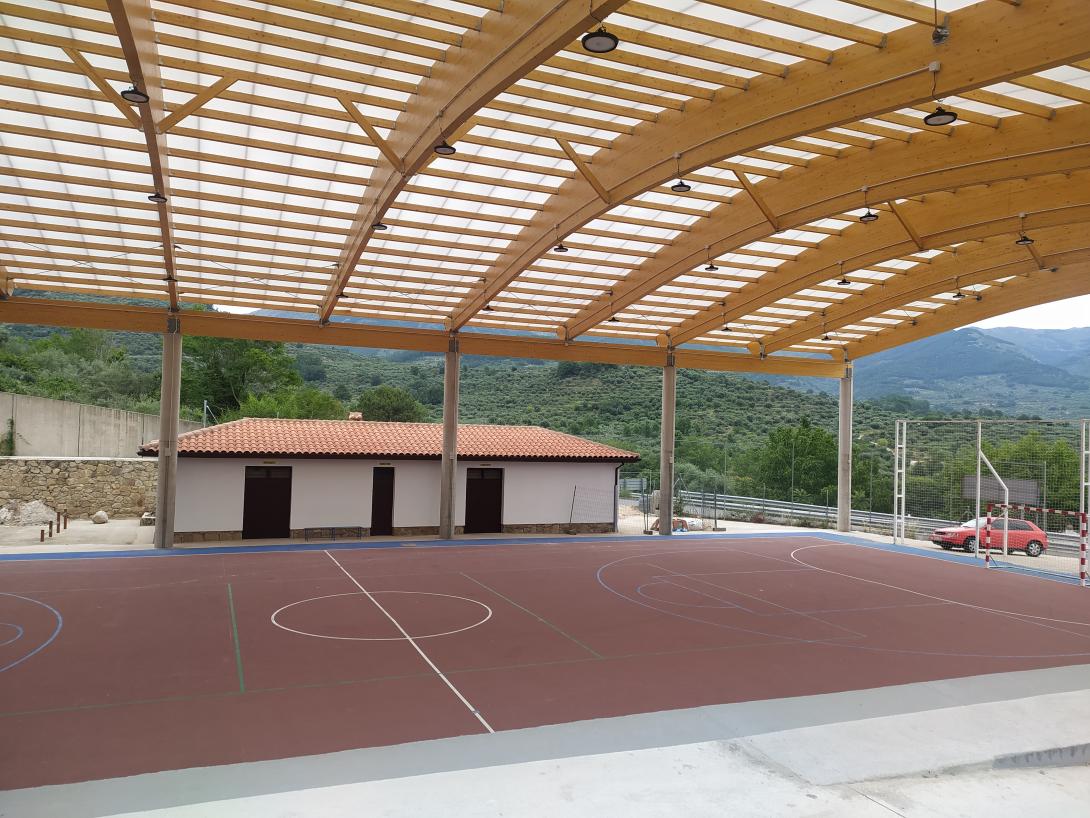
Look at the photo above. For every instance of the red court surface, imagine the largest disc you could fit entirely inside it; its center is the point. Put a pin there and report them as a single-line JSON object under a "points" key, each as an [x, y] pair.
{"points": [[170, 662]]}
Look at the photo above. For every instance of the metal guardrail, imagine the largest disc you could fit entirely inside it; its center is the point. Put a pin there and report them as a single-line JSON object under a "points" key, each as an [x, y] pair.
{"points": [[709, 505]]}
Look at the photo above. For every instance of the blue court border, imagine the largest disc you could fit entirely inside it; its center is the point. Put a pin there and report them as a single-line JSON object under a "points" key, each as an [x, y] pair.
{"points": [[348, 545], [820, 534]]}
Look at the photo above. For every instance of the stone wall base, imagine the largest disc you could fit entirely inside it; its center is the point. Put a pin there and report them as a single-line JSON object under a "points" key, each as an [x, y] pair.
{"points": [[122, 487], [206, 536], [406, 531]]}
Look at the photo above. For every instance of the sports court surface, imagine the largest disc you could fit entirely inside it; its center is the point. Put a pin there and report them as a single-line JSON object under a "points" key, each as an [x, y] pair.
{"points": [[114, 666]]}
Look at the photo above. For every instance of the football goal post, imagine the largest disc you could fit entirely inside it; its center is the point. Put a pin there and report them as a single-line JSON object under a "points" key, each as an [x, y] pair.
{"points": [[1032, 473]]}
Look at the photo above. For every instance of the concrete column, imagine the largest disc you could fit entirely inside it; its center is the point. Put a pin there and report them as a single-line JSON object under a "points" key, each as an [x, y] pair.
{"points": [[844, 456], [449, 468], [169, 405], [666, 447]]}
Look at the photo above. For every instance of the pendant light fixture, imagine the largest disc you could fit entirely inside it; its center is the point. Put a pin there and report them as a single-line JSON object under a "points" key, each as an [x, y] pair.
{"points": [[157, 197], [613, 319], [135, 96], [843, 278], [680, 186], [559, 248], [869, 216], [1023, 239], [710, 267], [486, 308], [599, 41], [958, 295], [940, 117], [378, 226], [442, 147]]}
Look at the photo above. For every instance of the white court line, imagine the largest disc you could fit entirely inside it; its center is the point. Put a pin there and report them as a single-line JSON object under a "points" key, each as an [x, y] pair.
{"points": [[419, 650], [999, 611]]}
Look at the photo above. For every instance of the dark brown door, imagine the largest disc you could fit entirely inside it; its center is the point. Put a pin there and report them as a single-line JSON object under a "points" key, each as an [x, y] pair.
{"points": [[266, 504], [484, 501], [382, 501]]}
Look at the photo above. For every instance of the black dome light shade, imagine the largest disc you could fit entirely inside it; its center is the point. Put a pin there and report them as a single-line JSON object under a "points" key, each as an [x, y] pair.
{"points": [[135, 96], [939, 117], [681, 186], [868, 217], [560, 248], [157, 197], [444, 148], [380, 226], [600, 41], [1023, 240]]}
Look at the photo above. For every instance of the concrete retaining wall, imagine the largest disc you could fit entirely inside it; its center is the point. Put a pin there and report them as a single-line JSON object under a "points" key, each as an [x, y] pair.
{"points": [[57, 428], [122, 487]]}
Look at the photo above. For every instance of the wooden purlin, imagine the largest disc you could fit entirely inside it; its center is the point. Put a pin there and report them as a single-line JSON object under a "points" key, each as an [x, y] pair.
{"points": [[1029, 147], [990, 261], [1039, 287], [507, 46], [860, 83], [19, 310]]}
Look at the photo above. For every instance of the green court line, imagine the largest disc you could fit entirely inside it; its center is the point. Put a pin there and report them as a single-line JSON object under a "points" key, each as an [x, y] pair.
{"points": [[234, 633], [539, 618]]}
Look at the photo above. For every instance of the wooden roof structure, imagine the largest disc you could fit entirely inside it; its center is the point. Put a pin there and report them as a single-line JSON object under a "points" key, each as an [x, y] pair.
{"points": [[283, 135]]}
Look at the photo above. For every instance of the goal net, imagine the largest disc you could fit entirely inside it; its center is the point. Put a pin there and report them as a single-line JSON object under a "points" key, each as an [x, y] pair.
{"points": [[1011, 539], [1034, 472]]}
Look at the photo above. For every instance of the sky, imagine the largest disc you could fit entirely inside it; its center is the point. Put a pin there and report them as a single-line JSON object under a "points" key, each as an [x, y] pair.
{"points": [[1071, 312]]}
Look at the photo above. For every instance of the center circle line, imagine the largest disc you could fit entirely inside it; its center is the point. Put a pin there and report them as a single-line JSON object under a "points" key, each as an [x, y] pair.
{"points": [[478, 623]]}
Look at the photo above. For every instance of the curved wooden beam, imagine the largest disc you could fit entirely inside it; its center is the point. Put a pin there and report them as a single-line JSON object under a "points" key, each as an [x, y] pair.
{"points": [[991, 42], [136, 31], [507, 46], [941, 220], [1026, 147], [993, 260], [1072, 278]]}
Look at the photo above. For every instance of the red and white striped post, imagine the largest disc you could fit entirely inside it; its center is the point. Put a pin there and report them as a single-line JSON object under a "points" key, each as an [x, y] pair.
{"points": [[988, 539], [1082, 549]]}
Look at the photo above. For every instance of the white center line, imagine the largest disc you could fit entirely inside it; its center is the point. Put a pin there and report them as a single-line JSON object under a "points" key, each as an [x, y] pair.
{"points": [[419, 650]]}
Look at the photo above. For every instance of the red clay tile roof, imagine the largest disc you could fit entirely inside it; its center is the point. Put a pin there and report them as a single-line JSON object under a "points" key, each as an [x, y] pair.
{"points": [[266, 437]]}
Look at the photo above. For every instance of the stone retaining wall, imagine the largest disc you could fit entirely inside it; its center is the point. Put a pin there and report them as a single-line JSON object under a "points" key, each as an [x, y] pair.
{"points": [[120, 486]]}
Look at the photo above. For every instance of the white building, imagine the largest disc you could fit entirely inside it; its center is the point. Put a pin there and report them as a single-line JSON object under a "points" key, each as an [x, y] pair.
{"points": [[270, 478]]}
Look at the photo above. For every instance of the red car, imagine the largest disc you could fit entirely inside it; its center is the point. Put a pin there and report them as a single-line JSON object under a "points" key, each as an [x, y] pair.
{"points": [[1022, 536]]}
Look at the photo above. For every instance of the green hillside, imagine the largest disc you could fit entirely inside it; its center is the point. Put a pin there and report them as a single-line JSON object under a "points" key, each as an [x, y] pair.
{"points": [[736, 433]]}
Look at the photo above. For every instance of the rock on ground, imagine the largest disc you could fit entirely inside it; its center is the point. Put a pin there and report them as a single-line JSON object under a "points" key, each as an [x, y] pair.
{"points": [[100, 517], [33, 512]]}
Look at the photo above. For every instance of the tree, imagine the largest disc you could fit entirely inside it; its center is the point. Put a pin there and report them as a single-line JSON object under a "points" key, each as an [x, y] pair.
{"points": [[224, 371], [390, 403], [303, 402], [801, 457]]}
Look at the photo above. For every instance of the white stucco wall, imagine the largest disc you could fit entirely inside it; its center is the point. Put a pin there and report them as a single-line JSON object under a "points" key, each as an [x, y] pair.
{"points": [[542, 492], [330, 492]]}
